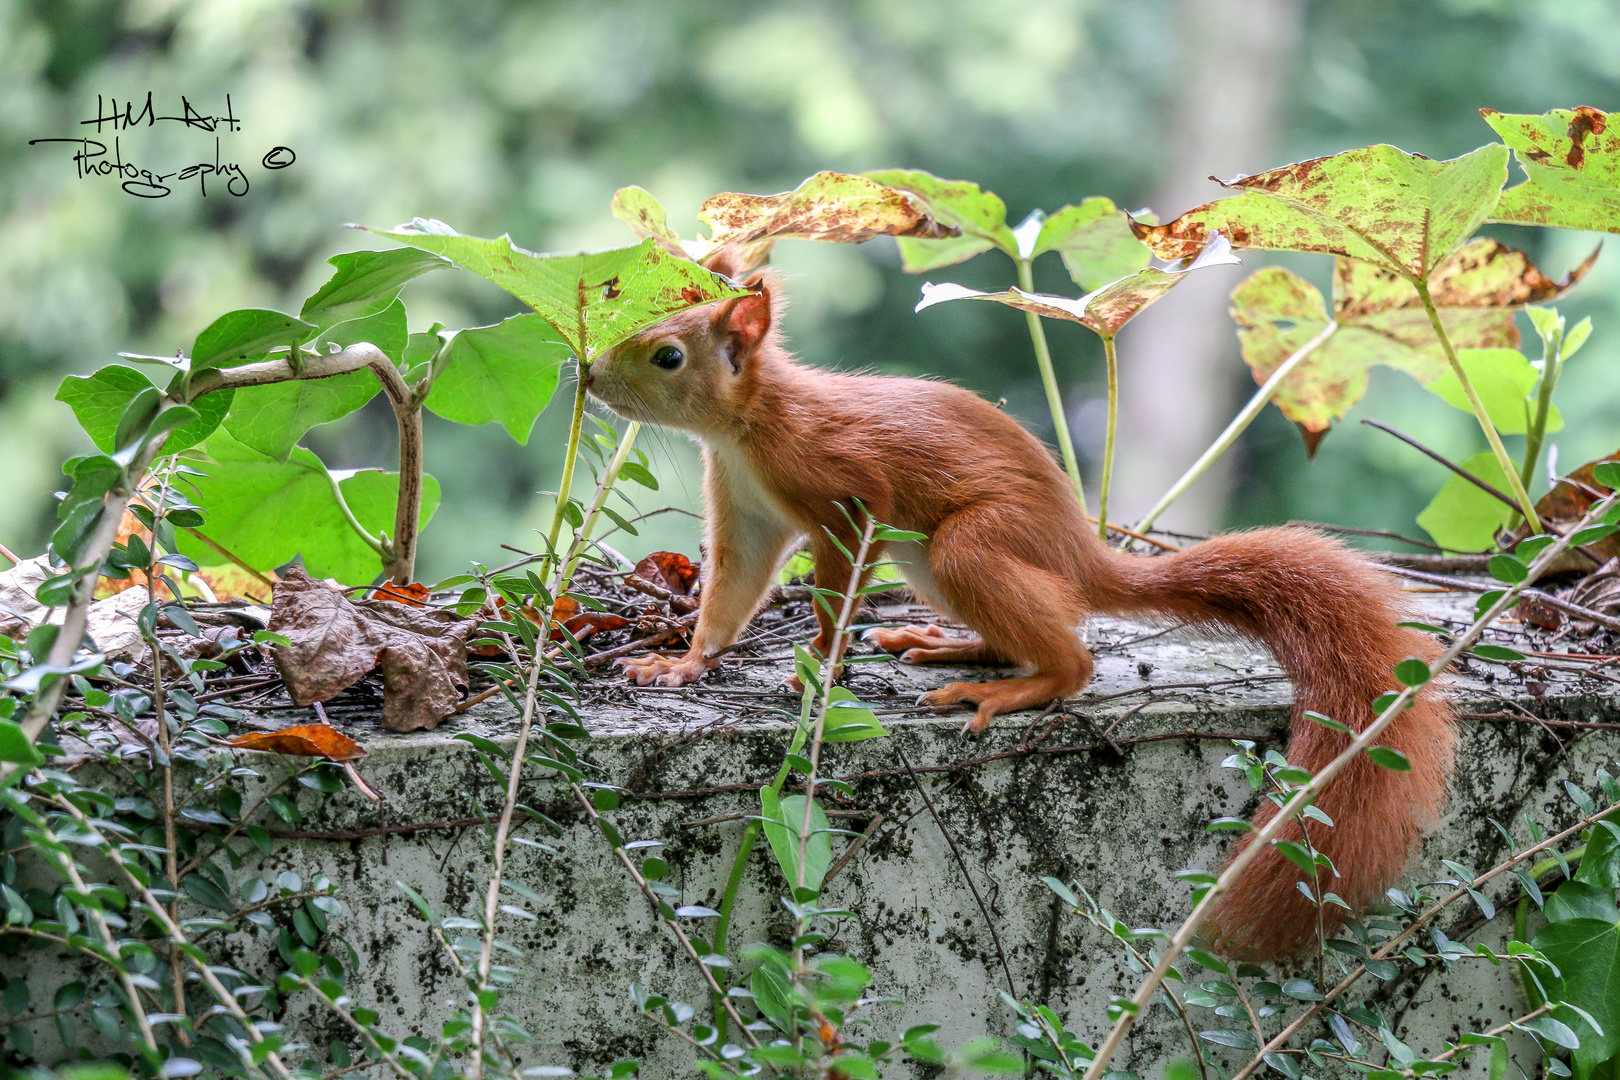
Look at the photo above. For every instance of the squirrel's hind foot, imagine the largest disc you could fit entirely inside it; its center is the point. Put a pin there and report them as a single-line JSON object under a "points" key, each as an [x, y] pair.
{"points": [[1002, 695], [931, 645]]}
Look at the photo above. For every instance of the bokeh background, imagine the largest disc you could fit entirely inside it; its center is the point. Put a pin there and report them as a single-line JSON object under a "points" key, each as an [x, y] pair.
{"points": [[523, 117]]}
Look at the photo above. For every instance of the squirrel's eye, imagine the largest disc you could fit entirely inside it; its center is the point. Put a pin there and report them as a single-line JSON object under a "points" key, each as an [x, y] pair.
{"points": [[669, 357]]}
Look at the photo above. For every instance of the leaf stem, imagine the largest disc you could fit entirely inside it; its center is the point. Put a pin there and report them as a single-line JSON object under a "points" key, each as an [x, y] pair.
{"points": [[567, 481], [1239, 424], [610, 476], [1491, 436], [375, 543], [1054, 399], [1108, 439], [1552, 365], [400, 560]]}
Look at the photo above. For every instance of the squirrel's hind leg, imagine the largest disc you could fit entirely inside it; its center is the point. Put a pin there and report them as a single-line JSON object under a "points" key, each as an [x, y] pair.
{"points": [[932, 645], [1023, 613]]}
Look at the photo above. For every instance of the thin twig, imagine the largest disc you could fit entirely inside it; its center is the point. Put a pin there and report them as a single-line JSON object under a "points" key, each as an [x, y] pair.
{"points": [[1454, 467], [1381, 533], [1464, 585]]}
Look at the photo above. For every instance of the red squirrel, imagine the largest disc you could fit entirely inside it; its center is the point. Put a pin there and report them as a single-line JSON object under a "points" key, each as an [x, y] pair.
{"points": [[1010, 553]]}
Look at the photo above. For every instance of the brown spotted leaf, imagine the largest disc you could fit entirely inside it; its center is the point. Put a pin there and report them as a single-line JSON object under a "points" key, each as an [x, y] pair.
{"points": [[1401, 212], [834, 207], [335, 641], [1380, 320], [304, 740], [1104, 311], [980, 216], [646, 217], [593, 299], [1571, 158]]}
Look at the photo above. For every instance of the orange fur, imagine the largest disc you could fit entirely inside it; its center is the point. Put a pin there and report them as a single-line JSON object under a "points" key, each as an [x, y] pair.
{"points": [[1010, 553]]}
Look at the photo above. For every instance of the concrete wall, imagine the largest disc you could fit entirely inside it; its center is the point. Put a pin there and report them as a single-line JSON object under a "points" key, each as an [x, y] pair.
{"points": [[1120, 821]]}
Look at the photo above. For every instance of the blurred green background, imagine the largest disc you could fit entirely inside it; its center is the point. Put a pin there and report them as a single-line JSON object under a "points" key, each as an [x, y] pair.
{"points": [[523, 117]]}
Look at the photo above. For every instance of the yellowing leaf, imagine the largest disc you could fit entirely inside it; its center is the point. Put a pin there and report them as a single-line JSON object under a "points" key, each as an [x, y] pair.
{"points": [[1380, 320], [839, 208], [1103, 310], [1571, 158], [645, 215], [830, 206], [980, 215], [1402, 212]]}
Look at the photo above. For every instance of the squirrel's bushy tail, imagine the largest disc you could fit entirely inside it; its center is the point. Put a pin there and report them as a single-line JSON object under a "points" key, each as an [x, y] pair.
{"points": [[1330, 619]]}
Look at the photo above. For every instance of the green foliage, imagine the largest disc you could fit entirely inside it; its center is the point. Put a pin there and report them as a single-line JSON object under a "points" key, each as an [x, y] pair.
{"points": [[99, 402], [1505, 381], [1582, 940], [593, 300], [239, 336], [267, 512], [272, 418], [366, 283], [1461, 517], [1095, 241], [782, 820], [505, 374]]}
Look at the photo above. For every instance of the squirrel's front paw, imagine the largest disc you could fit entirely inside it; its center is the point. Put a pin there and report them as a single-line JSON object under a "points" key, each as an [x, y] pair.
{"points": [[658, 670]]}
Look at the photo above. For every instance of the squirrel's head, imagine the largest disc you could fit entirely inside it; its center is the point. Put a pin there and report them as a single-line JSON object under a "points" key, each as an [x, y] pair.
{"points": [[696, 370]]}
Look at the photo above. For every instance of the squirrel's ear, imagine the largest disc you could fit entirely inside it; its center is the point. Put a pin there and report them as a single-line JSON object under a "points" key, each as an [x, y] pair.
{"points": [[745, 321]]}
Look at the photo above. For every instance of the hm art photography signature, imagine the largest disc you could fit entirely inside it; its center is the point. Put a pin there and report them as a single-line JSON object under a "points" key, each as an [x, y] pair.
{"points": [[95, 158]]}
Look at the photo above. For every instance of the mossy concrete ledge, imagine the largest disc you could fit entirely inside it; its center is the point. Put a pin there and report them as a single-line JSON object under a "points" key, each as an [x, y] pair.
{"points": [[1115, 797]]}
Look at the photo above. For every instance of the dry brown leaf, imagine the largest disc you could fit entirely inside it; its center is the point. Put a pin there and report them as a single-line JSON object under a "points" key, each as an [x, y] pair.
{"points": [[305, 740], [335, 641], [1569, 500], [573, 616], [580, 622], [669, 570], [112, 620], [413, 595]]}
